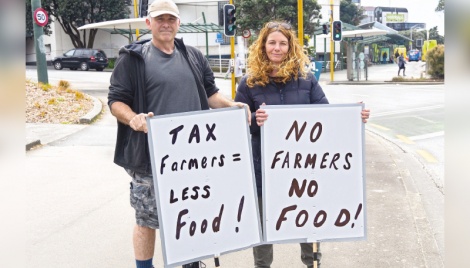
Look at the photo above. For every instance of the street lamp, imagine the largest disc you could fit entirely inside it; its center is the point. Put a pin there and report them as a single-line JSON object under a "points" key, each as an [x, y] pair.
{"points": [[411, 33]]}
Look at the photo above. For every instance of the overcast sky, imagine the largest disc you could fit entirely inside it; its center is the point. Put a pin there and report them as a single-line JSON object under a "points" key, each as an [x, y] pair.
{"points": [[418, 11]]}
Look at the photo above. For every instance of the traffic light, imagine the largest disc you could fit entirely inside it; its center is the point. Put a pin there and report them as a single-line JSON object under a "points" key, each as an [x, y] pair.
{"points": [[229, 20], [337, 30], [325, 28]]}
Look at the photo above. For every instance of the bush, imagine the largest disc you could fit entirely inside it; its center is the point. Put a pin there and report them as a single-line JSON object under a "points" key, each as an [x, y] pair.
{"points": [[111, 62], [435, 59]]}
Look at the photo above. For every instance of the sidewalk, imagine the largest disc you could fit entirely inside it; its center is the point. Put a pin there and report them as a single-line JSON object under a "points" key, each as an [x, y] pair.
{"points": [[81, 216], [377, 74]]}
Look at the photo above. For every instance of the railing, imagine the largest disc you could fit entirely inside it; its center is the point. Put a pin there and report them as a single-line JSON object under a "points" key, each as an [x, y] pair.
{"points": [[338, 65], [219, 66], [222, 65]]}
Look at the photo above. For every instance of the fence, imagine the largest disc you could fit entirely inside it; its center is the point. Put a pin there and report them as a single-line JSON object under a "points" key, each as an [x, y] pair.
{"points": [[222, 65]]}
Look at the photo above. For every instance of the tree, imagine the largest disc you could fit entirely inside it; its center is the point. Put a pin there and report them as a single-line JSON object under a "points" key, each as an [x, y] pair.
{"points": [[29, 22], [440, 6], [71, 14], [434, 35], [253, 14], [350, 12]]}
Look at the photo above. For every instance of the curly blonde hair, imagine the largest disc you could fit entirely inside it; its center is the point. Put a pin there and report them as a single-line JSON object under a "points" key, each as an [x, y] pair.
{"points": [[260, 66]]}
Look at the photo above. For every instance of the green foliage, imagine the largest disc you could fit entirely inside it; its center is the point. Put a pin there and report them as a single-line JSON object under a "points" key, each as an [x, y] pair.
{"points": [[350, 12], [253, 14], [30, 21], [440, 6], [435, 59], [72, 14], [111, 62], [434, 35], [311, 51]]}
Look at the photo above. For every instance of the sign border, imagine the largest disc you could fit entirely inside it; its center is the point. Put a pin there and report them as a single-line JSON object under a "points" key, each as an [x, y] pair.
{"points": [[159, 209], [35, 17], [364, 205]]}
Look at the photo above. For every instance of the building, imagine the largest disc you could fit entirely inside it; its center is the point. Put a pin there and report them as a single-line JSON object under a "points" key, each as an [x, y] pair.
{"points": [[191, 11]]}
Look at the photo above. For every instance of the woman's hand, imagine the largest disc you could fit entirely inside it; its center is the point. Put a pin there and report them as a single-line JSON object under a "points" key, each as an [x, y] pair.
{"points": [[365, 115], [261, 116]]}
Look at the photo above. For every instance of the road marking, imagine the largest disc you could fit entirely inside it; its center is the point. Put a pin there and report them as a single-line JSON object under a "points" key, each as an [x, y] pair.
{"points": [[407, 110], [427, 136], [378, 126], [405, 139], [424, 119], [427, 156]]}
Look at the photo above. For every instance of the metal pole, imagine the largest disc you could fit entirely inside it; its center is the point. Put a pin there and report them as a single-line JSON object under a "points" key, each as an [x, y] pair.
{"points": [[232, 56], [220, 61], [332, 65], [41, 63], [207, 36], [136, 15], [300, 22]]}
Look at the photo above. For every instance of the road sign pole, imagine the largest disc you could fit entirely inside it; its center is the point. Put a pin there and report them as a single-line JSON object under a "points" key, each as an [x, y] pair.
{"points": [[41, 63]]}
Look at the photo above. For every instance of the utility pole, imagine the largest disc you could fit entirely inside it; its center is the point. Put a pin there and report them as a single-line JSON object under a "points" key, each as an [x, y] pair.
{"points": [[40, 19]]}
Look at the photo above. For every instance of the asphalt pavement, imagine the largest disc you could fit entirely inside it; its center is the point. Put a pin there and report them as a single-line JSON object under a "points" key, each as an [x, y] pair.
{"points": [[80, 215]]}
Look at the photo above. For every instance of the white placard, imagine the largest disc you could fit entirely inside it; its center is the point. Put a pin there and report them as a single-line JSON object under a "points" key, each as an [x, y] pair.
{"points": [[204, 183], [313, 173]]}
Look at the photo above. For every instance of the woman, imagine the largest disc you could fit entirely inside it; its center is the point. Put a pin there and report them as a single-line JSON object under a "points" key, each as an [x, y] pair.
{"points": [[277, 76], [401, 64]]}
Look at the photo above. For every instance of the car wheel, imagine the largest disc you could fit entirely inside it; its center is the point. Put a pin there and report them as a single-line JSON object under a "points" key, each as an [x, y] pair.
{"points": [[58, 65], [99, 69], [84, 66]]}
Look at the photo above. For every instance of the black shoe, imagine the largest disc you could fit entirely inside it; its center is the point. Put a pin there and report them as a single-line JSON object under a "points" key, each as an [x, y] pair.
{"points": [[197, 264]]}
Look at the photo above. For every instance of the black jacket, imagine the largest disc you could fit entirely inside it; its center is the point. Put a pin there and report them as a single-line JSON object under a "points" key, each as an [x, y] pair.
{"points": [[300, 91], [128, 86]]}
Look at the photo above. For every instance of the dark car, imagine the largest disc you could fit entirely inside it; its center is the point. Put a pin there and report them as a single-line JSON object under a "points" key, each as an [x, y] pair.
{"points": [[83, 58]]}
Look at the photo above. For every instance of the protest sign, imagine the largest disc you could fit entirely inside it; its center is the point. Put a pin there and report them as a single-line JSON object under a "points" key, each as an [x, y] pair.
{"points": [[204, 184], [313, 173]]}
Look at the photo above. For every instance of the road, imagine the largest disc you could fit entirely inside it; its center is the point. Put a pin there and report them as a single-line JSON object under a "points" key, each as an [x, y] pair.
{"points": [[410, 116], [400, 113]]}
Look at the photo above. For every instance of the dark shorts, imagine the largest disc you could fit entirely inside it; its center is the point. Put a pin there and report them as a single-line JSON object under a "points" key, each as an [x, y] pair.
{"points": [[143, 199]]}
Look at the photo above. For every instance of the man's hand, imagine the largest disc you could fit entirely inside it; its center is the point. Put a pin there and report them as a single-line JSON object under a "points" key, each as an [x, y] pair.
{"points": [[242, 105], [139, 123], [365, 115]]}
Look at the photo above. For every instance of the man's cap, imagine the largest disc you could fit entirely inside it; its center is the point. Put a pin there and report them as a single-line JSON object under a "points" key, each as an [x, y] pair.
{"points": [[160, 7]]}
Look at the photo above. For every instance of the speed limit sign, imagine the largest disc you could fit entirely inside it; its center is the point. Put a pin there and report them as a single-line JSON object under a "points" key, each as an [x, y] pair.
{"points": [[40, 17]]}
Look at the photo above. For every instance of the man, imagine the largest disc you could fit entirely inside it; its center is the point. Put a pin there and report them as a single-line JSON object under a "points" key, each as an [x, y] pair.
{"points": [[238, 69], [155, 77]]}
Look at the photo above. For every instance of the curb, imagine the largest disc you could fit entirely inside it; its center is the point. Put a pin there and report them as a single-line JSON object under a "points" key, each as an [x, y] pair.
{"points": [[91, 115], [86, 119]]}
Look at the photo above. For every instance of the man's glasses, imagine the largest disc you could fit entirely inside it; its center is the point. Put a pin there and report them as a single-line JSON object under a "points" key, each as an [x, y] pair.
{"points": [[284, 25]]}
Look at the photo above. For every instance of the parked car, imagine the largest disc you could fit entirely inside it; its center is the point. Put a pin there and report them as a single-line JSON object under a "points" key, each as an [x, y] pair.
{"points": [[83, 58]]}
